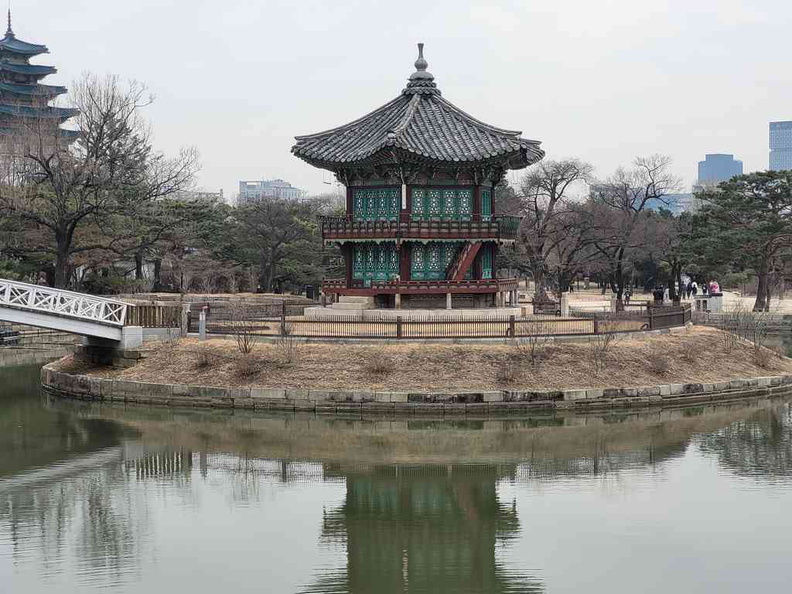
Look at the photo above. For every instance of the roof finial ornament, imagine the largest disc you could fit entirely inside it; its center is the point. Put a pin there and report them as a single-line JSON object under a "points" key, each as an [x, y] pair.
{"points": [[420, 66], [421, 81], [9, 31]]}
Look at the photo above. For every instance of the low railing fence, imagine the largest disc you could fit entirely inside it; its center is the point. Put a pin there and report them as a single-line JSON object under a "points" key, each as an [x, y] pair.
{"points": [[154, 316], [429, 327], [738, 322]]}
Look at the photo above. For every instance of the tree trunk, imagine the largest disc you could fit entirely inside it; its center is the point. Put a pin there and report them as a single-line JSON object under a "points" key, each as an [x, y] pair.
{"points": [[540, 288], [762, 288], [139, 265], [158, 274], [61, 276]]}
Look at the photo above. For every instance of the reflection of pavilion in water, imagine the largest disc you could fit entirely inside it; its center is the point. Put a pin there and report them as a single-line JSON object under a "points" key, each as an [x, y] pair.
{"points": [[424, 528]]}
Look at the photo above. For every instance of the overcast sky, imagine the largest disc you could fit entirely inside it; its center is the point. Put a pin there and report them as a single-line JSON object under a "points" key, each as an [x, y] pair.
{"points": [[603, 80]]}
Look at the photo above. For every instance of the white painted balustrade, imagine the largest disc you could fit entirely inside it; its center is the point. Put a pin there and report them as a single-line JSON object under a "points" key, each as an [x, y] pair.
{"points": [[58, 302]]}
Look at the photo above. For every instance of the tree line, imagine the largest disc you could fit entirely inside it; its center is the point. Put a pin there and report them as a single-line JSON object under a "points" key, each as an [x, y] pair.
{"points": [[105, 212], [621, 232]]}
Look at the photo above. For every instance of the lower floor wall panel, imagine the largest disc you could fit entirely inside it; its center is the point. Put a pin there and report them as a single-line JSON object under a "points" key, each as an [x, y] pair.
{"points": [[426, 261]]}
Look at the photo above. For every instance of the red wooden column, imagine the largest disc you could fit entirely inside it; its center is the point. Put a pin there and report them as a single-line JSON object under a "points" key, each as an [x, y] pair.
{"points": [[349, 205], [404, 261], [476, 203], [347, 250]]}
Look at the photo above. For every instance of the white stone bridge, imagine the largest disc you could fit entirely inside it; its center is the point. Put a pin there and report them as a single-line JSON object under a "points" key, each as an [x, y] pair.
{"points": [[65, 311]]}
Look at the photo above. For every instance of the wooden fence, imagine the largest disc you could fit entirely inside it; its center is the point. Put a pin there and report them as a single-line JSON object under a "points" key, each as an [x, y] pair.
{"points": [[422, 328], [154, 316]]}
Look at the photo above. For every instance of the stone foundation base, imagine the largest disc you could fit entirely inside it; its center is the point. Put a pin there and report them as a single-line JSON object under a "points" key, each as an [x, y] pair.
{"points": [[324, 313], [362, 403]]}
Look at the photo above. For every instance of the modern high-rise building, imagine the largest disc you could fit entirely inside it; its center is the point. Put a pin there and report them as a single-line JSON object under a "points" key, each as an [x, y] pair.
{"points": [[252, 190], [718, 167], [780, 145]]}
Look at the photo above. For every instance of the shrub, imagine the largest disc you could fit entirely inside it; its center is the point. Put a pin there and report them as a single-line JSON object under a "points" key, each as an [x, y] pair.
{"points": [[689, 352], [763, 357], [204, 359], [600, 345], [533, 345], [242, 326], [659, 365], [247, 367], [379, 364], [287, 346], [507, 372]]}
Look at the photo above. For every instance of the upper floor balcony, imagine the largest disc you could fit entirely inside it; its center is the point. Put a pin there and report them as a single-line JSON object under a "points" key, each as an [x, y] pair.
{"points": [[501, 228]]}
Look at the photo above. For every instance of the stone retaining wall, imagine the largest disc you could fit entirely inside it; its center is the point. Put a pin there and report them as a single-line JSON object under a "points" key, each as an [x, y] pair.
{"points": [[13, 357], [377, 403]]}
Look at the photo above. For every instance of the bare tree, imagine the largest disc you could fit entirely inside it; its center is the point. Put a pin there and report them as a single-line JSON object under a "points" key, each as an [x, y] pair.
{"points": [[65, 187], [618, 206], [545, 198]]}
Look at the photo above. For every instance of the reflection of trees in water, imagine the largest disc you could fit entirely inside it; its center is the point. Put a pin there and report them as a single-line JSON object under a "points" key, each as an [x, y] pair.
{"points": [[600, 462], [90, 516], [759, 447], [87, 515], [422, 528], [34, 436]]}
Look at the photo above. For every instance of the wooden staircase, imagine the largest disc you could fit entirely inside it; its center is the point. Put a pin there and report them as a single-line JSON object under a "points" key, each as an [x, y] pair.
{"points": [[461, 264]]}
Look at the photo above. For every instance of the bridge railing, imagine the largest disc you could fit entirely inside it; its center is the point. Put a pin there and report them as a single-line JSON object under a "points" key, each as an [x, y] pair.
{"points": [[62, 303]]}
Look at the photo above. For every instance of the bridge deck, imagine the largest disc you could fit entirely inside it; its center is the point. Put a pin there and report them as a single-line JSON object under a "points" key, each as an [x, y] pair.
{"points": [[57, 309]]}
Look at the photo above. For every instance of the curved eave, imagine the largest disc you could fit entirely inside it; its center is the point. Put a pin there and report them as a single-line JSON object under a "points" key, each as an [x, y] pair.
{"points": [[28, 69], [527, 154], [17, 46], [63, 113], [32, 90]]}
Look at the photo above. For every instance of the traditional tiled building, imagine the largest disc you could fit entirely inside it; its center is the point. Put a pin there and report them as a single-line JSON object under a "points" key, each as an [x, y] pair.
{"points": [[24, 101], [420, 228]]}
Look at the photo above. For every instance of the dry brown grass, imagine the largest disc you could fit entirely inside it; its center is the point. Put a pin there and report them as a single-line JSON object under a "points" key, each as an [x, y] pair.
{"points": [[429, 367]]}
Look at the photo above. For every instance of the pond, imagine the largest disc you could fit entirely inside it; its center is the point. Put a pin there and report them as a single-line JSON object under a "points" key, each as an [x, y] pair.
{"points": [[97, 497]]}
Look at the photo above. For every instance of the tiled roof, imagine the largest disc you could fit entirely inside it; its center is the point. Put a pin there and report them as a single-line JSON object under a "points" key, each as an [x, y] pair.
{"points": [[30, 69], [62, 113], [11, 44], [419, 124], [32, 89]]}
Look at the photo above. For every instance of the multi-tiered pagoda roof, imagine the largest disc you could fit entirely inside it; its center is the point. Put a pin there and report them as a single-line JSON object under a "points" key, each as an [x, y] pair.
{"points": [[22, 96]]}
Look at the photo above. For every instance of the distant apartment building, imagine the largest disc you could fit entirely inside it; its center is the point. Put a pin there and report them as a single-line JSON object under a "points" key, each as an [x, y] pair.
{"points": [[675, 203], [780, 146], [199, 196], [252, 190], [718, 167]]}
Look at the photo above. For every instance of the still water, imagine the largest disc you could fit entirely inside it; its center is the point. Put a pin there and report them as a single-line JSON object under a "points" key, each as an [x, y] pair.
{"points": [[134, 500]]}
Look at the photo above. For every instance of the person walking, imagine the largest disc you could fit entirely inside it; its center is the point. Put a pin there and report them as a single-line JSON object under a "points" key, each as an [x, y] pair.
{"points": [[694, 289], [689, 288]]}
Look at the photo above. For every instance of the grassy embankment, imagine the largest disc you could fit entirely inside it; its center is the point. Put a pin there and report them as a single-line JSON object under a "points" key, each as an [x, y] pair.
{"points": [[699, 355]]}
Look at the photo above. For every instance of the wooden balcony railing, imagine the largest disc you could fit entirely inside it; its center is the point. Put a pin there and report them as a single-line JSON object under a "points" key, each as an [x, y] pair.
{"points": [[495, 228], [338, 285]]}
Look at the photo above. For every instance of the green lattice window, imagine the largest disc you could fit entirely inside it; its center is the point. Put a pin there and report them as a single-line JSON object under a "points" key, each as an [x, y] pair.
{"points": [[376, 204], [430, 261], [486, 254], [447, 204], [375, 261], [486, 205]]}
